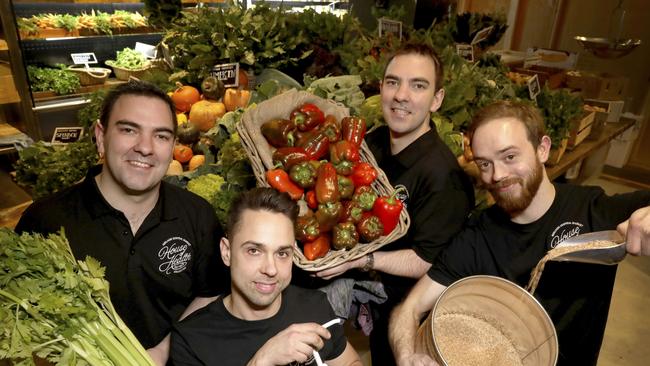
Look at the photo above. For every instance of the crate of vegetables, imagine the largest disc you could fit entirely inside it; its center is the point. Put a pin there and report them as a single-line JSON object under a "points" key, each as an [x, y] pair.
{"points": [[312, 149]]}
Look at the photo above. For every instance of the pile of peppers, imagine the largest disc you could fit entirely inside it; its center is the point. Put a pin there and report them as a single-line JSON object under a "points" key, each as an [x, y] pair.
{"points": [[317, 160]]}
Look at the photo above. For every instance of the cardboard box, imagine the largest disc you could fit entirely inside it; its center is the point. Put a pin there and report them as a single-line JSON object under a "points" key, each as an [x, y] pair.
{"points": [[614, 108], [598, 86]]}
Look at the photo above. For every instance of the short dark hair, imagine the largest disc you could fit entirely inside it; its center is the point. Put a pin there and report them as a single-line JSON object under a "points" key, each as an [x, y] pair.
{"points": [[421, 49], [260, 199], [527, 114], [138, 88]]}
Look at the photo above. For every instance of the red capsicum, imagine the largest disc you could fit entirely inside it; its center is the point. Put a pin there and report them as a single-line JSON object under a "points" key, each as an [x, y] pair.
{"points": [[310, 197], [344, 155], [279, 132], [307, 228], [351, 212], [388, 210], [307, 117], [363, 174], [316, 145], [317, 248], [328, 215], [365, 197], [289, 156], [279, 179], [353, 129], [327, 184], [370, 228], [331, 129]]}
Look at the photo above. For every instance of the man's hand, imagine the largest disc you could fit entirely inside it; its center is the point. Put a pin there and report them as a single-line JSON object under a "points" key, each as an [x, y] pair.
{"points": [[294, 344], [636, 231], [417, 359], [340, 269]]}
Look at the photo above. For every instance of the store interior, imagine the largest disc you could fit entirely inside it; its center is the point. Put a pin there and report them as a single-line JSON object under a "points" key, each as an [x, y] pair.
{"points": [[617, 159]]}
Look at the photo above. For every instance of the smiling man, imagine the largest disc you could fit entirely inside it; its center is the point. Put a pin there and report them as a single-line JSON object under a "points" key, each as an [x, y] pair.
{"points": [[531, 216], [157, 242], [264, 320], [435, 190]]}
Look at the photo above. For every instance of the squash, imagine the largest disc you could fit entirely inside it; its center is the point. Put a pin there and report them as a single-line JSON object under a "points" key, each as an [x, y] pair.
{"points": [[196, 161], [187, 133], [175, 168], [212, 88], [205, 113], [184, 97], [235, 98], [181, 118]]}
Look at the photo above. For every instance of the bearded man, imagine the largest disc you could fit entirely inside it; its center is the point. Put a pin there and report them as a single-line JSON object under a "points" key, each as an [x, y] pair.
{"points": [[531, 216]]}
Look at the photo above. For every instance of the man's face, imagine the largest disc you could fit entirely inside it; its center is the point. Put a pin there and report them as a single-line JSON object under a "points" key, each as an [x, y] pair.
{"points": [[259, 256], [408, 95], [510, 166], [137, 144]]}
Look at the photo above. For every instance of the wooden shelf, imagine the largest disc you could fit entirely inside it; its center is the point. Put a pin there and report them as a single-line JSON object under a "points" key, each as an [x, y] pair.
{"points": [[48, 96]]}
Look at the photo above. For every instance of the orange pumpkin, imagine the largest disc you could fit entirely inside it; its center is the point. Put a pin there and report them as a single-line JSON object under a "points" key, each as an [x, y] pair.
{"points": [[184, 97], [196, 161], [182, 153], [205, 113], [234, 98]]}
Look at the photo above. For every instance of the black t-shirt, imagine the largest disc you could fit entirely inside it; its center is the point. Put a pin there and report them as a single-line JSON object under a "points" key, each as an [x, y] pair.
{"points": [[153, 276], [575, 295], [439, 194], [213, 336]]}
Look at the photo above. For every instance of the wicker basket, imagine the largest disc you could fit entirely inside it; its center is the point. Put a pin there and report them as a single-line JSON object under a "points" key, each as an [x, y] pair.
{"points": [[126, 74], [260, 154], [90, 75]]}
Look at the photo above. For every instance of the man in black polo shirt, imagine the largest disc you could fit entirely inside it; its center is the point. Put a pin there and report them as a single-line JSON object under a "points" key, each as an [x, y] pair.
{"points": [[438, 195], [157, 242]]}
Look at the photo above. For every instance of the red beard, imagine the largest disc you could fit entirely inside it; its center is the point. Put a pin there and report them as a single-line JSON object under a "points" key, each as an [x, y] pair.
{"points": [[511, 203]]}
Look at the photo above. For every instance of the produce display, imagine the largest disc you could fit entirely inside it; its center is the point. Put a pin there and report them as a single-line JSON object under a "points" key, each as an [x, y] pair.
{"points": [[95, 22], [60, 81], [129, 59]]}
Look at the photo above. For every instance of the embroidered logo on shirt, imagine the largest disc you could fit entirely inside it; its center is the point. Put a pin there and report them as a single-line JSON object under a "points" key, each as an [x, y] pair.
{"points": [[175, 254], [403, 195], [565, 231]]}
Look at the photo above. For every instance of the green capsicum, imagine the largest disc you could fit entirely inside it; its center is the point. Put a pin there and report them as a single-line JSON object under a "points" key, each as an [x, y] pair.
{"points": [[279, 132], [344, 155], [328, 215], [344, 236], [346, 187], [303, 174], [307, 228], [365, 196], [370, 228]]}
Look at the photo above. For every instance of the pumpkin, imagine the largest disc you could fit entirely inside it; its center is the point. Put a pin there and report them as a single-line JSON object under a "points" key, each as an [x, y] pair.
{"points": [[175, 168], [188, 133], [184, 97], [205, 113], [181, 118], [183, 153], [196, 161], [235, 98], [212, 88]]}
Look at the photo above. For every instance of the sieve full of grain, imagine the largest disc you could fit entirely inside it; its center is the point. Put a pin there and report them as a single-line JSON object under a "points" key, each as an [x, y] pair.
{"points": [[536, 274], [470, 339]]}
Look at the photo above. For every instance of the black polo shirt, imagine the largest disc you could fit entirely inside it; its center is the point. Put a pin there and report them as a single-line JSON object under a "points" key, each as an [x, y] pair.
{"points": [[439, 195], [153, 275]]}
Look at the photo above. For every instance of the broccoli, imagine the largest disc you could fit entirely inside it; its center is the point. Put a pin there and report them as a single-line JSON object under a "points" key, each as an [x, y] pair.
{"points": [[206, 186]]}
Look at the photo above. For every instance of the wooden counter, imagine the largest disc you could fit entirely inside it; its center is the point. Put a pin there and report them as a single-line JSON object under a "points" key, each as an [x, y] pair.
{"points": [[583, 150]]}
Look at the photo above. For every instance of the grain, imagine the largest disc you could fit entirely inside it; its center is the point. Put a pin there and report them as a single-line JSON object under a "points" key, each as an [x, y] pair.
{"points": [[467, 340]]}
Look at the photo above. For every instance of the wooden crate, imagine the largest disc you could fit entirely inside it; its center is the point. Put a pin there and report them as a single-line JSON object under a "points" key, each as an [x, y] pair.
{"points": [[554, 77], [580, 129], [598, 86]]}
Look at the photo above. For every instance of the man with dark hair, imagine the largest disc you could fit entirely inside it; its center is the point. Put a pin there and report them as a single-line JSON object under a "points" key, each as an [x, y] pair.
{"points": [[436, 192], [531, 216], [157, 241], [264, 320]]}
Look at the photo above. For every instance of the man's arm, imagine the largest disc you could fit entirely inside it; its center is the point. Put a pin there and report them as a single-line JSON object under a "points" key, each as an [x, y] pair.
{"points": [[403, 263], [160, 352], [636, 231], [405, 320], [349, 357]]}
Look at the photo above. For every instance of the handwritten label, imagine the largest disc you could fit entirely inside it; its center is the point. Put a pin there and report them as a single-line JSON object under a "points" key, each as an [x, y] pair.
{"points": [[465, 51], [389, 26], [83, 58], [533, 87], [66, 135], [227, 73], [147, 50]]}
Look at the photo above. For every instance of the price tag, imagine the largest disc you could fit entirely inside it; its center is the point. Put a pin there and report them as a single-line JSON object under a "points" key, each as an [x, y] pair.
{"points": [[533, 87], [66, 135], [482, 35], [465, 51], [147, 50], [389, 26], [227, 73], [83, 58]]}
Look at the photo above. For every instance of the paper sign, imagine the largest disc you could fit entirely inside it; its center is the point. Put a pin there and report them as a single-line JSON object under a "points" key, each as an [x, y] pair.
{"points": [[65, 135], [147, 50], [465, 51], [482, 35], [227, 73], [83, 58], [533, 87], [388, 26]]}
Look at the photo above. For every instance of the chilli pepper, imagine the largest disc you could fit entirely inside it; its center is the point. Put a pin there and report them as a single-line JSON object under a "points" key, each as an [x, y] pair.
{"points": [[303, 174], [365, 196], [346, 187], [279, 132], [344, 236], [344, 155], [370, 228], [289, 156], [310, 197], [316, 145], [388, 210], [353, 129], [317, 248], [327, 184], [351, 212], [328, 215], [307, 116], [363, 174], [331, 128], [307, 228], [279, 179]]}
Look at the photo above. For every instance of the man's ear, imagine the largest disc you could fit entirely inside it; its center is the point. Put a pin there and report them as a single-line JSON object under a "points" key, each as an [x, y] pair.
{"points": [[224, 246], [438, 97], [544, 149], [99, 137]]}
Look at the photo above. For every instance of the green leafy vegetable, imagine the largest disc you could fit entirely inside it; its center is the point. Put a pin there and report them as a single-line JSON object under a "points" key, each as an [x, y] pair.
{"points": [[60, 81], [130, 59]]}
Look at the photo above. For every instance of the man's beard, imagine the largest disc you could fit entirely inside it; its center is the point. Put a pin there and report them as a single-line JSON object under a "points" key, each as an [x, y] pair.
{"points": [[529, 185]]}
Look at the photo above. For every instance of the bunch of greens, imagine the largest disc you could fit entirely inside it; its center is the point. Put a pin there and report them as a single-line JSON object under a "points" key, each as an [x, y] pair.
{"points": [[49, 168], [343, 89], [559, 108], [371, 111], [129, 59], [60, 81], [57, 308], [66, 21], [90, 113]]}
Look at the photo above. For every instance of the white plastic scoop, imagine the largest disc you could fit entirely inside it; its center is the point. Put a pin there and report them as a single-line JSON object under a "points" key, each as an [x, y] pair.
{"points": [[603, 254]]}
